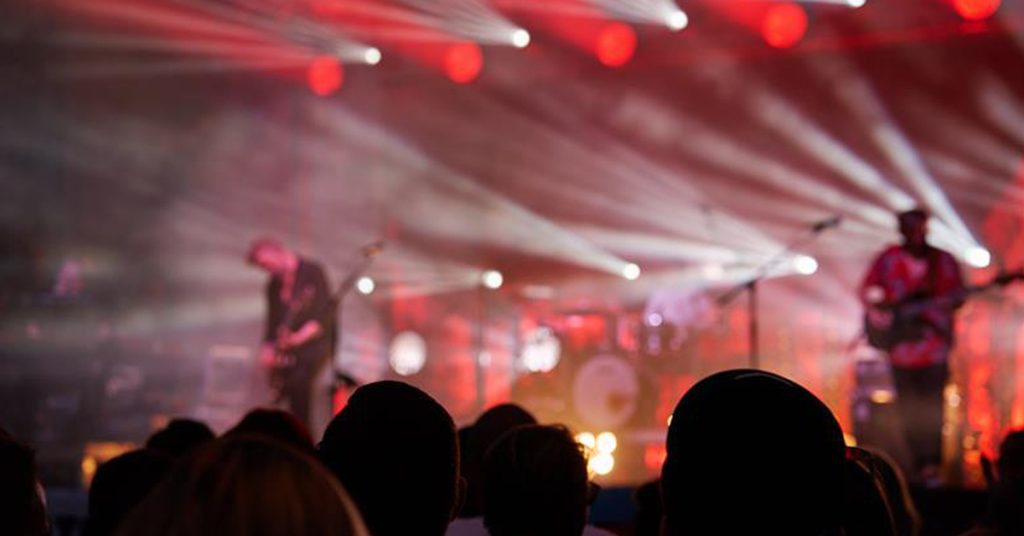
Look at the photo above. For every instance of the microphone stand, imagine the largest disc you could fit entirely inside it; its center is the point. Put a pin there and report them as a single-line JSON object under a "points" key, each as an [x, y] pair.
{"points": [[339, 376], [750, 286]]}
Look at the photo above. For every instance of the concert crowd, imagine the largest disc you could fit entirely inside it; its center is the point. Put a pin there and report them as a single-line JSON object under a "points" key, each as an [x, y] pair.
{"points": [[748, 452]]}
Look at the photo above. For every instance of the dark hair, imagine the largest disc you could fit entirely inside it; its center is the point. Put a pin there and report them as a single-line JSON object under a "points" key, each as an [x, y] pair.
{"points": [[752, 452], [21, 508], [475, 441], [906, 519], [246, 485], [120, 484], [395, 450], [276, 424], [535, 483], [915, 215], [180, 437], [1011, 456], [867, 511]]}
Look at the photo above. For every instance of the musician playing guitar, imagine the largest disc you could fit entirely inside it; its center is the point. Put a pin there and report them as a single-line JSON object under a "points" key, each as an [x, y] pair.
{"points": [[299, 337], [911, 294]]}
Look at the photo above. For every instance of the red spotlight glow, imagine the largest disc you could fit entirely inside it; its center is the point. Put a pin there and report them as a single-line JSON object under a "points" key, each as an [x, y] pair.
{"points": [[325, 75], [463, 62], [975, 10], [616, 44], [784, 25]]}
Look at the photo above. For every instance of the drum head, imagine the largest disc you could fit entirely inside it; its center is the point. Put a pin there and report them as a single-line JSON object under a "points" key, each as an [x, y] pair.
{"points": [[605, 392]]}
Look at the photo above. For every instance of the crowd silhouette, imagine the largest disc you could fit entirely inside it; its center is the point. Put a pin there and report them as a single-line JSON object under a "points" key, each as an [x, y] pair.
{"points": [[748, 452]]}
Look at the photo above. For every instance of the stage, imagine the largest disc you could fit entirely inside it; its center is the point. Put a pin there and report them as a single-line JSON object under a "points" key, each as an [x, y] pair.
{"points": [[562, 213]]}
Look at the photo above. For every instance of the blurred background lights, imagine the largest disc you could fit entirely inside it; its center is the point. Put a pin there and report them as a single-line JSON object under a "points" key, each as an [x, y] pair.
{"points": [[366, 285], [520, 38], [631, 271], [677, 20], [977, 257], [805, 264], [372, 56], [541, 351], [408, 353], [492, 279]]}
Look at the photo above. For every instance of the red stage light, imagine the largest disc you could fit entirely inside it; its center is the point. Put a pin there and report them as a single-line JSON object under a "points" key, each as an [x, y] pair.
{"points": [[616, 44], [463, 62], [976, 9], [325, 75], [784, 25]]}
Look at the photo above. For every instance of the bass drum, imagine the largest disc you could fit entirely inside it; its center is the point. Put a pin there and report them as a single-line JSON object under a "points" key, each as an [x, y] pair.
{"points": [[606, 392]]}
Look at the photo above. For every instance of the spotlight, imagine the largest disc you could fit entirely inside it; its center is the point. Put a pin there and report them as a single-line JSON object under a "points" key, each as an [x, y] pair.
{"points": [[372, 56], [784, 25], [616, 44], [631, 271], [325, 75], [607, 442], [365, 285], [408, 353], [677, 20], [978, 257], [805, 265], [520, 38], [976, 10], [463, 62], [602, 463], [856, 3], [654, 320], [541, 351], [492, 279], [587, 439]]}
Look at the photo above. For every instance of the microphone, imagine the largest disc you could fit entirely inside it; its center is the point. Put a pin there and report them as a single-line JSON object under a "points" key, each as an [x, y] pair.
{"points": [[829, 223]]}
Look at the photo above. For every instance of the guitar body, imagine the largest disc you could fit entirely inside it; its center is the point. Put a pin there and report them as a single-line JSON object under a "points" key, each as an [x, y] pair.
{"points": [[886, 327], [279, 375]]}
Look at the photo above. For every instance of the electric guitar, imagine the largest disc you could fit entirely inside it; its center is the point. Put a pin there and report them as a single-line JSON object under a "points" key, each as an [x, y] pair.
{"points": [[284, 362], [887, 325]]}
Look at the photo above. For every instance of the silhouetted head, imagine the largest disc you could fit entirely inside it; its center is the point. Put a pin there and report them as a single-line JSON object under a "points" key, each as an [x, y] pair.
{"points": [[750, 452], [477, 439], [914, 228], [906, 519], [867, 511], [22, 512], [271, 256], [535, 483], [395, 450], [180, 437], [277, 424], [1011, 457], [242, 486], [120, 484]]}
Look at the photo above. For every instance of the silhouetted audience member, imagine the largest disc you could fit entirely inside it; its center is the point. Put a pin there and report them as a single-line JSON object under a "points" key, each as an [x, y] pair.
{"points": [[649, 511], [867, 511], [1005, 515], [180, 437], [22, 507], [905, 516], [120, 484], [396, 451], [277, 424], [535, 483], [246, 485], [484, 432], [750, 452]]}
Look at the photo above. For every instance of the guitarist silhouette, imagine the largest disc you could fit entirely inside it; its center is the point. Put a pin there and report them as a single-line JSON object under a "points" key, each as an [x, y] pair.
{"points": [[299, 339], [911, 294]]}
